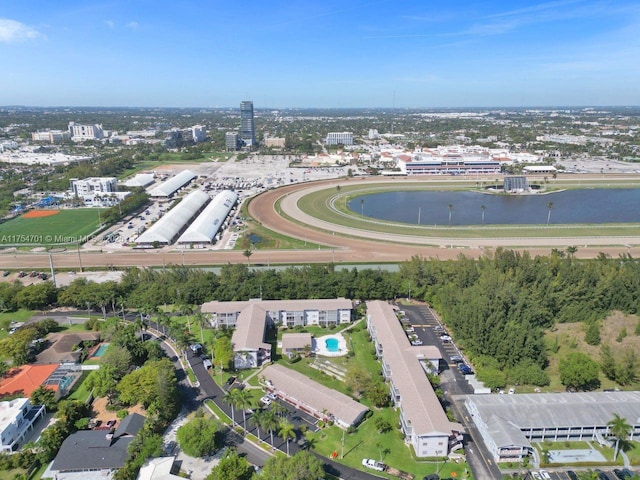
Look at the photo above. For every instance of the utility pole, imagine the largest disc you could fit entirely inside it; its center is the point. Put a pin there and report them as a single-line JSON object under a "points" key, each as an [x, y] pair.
{"points": [[53, 273], [80, 259]]}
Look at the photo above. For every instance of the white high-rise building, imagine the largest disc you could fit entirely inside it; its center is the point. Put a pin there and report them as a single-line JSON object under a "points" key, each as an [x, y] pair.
{"points": [[80, 133], [339, 138], [198, 133]]}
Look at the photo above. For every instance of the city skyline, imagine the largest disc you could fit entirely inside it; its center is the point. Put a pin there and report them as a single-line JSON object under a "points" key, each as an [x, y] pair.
{"points": [[368, 54]]}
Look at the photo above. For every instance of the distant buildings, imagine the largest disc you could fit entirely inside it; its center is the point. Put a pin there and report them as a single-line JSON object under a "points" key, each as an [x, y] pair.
{"points": [[339, 138], [274, 142], [51, 136], [198, 133], [247, 126], [81, 133], [92, 185], [231, 141]]}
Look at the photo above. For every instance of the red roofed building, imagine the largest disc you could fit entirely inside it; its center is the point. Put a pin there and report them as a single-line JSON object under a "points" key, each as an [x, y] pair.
{"points": [[26, 379]]}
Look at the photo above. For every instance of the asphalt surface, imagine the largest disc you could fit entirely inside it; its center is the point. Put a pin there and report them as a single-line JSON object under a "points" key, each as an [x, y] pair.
{"points": [[256, 455]]}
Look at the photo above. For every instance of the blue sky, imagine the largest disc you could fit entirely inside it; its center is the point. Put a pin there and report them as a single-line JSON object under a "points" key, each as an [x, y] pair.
{"points": [[323, 53]]}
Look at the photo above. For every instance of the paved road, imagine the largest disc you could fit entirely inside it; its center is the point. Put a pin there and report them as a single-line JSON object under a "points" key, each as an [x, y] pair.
{"points": [[211, 390]]}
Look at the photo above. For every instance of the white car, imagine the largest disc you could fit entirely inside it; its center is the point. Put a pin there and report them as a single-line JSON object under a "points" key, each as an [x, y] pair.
{"points": [[266, 400], [544, 474], [373, 465]]}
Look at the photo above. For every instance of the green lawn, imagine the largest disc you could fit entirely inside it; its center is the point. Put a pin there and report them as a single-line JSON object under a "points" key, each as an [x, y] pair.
{"points": [[66, 227], [18, 316], [80, 391], [331, 205]]}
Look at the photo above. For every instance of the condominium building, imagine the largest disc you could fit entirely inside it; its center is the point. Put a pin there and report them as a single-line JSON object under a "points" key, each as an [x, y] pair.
{"points": [[247, 126], [339, 138], [423, 421]]}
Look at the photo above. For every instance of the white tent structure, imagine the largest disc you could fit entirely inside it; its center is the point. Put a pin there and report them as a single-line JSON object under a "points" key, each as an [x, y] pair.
{"points": [[172, 185], [165, 230], [206, 226]]}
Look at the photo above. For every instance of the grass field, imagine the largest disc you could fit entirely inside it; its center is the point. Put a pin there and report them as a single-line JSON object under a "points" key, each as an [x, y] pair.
{"points": [[331, 205], [66, 227]]}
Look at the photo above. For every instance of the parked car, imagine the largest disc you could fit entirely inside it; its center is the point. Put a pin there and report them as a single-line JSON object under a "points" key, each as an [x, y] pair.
{"points": [[465, 369], [572, 475], [438, 328], [417, 341], [196, 348], [170, 447], [373, 465], [544, 474], [110, 423], [456, 358], [6, 273], [266, 400], [207, 363], [22, 274]]}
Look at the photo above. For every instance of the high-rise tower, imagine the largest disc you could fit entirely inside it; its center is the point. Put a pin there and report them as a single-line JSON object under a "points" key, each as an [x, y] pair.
{"points": [[247, 127]]}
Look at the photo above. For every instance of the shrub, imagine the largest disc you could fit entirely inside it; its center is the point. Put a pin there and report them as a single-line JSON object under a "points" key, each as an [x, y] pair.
{"points": [[122, 413]]}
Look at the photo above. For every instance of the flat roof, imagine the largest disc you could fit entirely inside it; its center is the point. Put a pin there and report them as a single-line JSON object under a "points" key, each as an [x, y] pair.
{"points": [[314, 394], [9, 410], [277, 305], [420, 405], [545, 410]]}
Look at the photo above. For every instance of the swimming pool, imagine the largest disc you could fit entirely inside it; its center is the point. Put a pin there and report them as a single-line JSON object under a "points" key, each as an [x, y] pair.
{"points": [[332, 345], [101, 349]]}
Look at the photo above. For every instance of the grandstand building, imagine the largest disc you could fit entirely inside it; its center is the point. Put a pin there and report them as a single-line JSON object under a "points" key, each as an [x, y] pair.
{"points": [[169, 188], [167, 229], [204, 228]]}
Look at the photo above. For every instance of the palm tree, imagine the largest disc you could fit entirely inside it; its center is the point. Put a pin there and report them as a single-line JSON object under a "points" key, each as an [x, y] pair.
{"points": [[201, 321], [229, 398], [286, 431], [549, 206], [186, 310], [257, 419], [620, 429], [247, 253], [571, 250], [450, 206], [243, 401], [483, 208], [270, 422]]}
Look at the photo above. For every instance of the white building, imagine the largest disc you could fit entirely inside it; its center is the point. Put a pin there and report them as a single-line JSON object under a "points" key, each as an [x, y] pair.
{"points": [[16, 420], [92, 185], [8, 145], [198, 133], [339, 138], [104, 200], [173, 185], [422, 419], [50, 136], [205, 227], [80, 133], [165, 230], [288, 313], [252, 318], [509, 424]]}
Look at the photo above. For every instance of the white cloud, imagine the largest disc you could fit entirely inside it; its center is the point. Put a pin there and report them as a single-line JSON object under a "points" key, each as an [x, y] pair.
{"points": [[110, 23], [12, 31], [133, 25]]}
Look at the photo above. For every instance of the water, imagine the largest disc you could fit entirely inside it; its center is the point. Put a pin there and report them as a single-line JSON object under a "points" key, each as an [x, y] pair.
{"points": [[101, 349], [332, 345], [588, 206]]}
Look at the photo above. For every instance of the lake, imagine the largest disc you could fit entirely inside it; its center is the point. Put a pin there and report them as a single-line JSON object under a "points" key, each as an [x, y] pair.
{"points": [[590, 206]]}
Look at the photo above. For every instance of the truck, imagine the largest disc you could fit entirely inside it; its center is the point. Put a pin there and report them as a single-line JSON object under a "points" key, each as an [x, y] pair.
{"points": [[381, 467]]}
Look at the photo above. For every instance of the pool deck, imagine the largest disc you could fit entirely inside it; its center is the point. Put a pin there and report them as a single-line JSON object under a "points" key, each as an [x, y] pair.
{"points": [[321, 348]]}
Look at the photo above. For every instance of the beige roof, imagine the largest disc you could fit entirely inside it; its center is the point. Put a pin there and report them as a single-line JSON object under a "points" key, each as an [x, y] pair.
{"points": [[249, 332], [158, 469], [420, 405], [277, 305], [295, 341], [313, 394]]}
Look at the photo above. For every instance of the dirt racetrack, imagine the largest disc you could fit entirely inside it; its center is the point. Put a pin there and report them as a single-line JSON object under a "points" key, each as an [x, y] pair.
{"points": [[377, 248]]}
